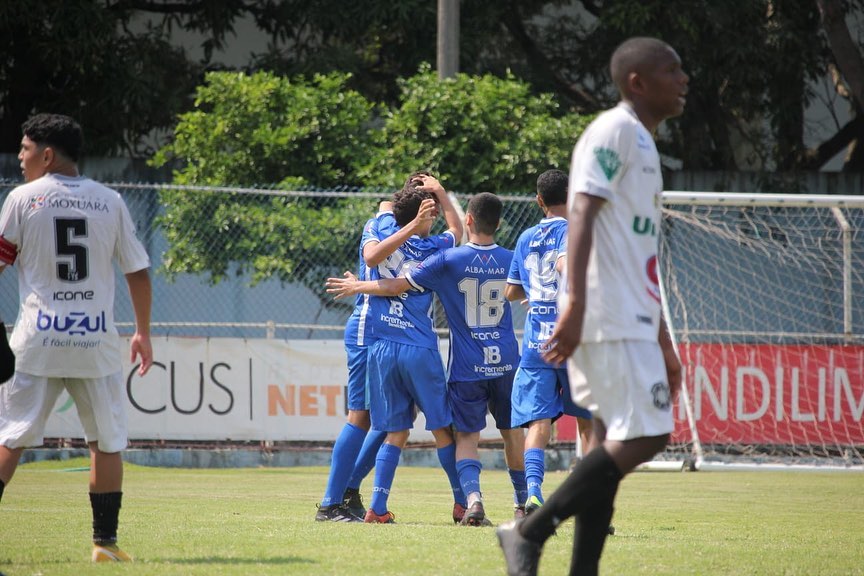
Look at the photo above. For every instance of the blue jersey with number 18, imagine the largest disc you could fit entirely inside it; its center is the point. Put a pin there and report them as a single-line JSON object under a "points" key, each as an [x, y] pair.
{"points": [[470, 282], [537, 252]]}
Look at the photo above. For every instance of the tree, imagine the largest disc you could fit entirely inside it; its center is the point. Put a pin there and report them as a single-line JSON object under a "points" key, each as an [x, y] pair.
{"points": [[74, 57], [756, 65], [250, 130], [477, 133]]}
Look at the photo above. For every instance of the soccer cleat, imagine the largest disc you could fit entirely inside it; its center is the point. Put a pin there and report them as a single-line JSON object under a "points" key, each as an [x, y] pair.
{"points": [[373, 518], [521, 555], [458, 512], [109, 553], [611, 530], [354, 501], [519, 511], [475, 516], [335, 513], [532, 504]]}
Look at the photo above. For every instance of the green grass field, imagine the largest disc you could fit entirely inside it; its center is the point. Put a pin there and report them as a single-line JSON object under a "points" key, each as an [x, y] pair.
{"points": [[260, 521]]}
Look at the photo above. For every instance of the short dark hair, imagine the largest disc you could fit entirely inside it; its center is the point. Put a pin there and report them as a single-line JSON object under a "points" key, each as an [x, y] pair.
{"points": [[552, 187], [406, 203], [632, 55], [486, 208], [57, 131]]}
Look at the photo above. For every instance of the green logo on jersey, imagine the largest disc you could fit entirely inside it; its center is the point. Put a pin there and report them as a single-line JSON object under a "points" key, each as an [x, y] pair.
{"points": [[608, 160]]}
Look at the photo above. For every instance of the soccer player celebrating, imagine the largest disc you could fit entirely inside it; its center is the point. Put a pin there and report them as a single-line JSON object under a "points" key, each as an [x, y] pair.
{"points": [[404, 366], [484, 353], [63, 231], [355, 445], [610, 331], [539, 390]]}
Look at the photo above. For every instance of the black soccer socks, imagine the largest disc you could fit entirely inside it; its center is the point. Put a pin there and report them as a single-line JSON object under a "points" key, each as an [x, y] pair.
{"points": [[2, 486], [106, 512], [7, 358], [595, 479]]}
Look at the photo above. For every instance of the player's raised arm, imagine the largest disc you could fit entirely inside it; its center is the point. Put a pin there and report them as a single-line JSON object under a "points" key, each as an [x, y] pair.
{"points": [[349, 285], [568, 331], [451, 215], [376, 252]]}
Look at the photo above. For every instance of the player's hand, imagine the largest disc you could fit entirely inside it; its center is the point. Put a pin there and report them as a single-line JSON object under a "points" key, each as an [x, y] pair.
{"points": [[427, 213], [430, 184], [141, 347], [342, 287], [565, 337], [673, 372]]}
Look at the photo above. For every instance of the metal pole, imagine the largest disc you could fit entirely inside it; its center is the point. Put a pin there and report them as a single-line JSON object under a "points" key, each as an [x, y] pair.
{"points": [[448, 38], [846, 230]]}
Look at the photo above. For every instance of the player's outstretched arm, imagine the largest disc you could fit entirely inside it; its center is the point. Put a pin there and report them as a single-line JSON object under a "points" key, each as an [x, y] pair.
{"points": [[349, 286], [451, 215], [376, 252], [580, 232], [514, 292], [141, 292]]}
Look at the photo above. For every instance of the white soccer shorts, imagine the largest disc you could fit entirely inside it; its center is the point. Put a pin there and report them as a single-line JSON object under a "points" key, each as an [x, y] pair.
{"points": [[26, 402], [624, 384]]}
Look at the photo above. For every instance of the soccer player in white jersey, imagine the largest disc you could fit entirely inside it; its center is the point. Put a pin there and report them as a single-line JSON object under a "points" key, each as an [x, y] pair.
{"points": [[484, 353], [63, 231], [356, 435], [540, 390], [610, 331]]}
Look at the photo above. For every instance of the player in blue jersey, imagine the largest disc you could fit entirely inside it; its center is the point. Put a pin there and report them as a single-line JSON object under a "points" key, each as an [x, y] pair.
{"points": [[470, 282], [355, 446], [541, 392], [404, 367]]}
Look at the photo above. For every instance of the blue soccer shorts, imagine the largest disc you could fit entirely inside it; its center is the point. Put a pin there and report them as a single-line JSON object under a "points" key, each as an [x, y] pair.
{"points": [[537, 394], [402, 377], [470, 401], [357, 362], [570, 407]]}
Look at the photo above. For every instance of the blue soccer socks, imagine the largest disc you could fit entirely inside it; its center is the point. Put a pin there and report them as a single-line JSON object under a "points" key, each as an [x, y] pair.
{"points": [[469, 475], [520, 487], [345, 452], [447, 457], [366, 459], [385, 471], [535, 469]]}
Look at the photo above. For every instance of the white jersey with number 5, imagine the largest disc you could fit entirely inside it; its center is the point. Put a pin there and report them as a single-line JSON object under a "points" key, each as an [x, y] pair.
{"points": [[67, 232], [616, 159]]}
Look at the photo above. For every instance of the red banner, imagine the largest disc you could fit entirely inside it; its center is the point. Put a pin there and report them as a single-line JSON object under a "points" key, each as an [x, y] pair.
{"points": [[771, 394]]}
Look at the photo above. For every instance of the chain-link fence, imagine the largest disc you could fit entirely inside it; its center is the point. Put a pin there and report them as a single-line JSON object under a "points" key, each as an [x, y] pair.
{"points": [[252, 262]]}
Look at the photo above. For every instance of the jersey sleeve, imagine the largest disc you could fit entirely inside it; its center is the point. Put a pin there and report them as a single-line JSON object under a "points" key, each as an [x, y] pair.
{"points": [[514, 275], [10, 229], [429, 274], [599, 163], [445, 240], [130, 253]]}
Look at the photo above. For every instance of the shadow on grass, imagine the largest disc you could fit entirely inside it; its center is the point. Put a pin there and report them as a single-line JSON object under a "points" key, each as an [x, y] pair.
{"points": [[7, 564], [277, 560]]}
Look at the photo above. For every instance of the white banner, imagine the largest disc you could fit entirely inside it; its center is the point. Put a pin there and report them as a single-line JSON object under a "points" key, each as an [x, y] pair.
{"points": [[235, 389]]}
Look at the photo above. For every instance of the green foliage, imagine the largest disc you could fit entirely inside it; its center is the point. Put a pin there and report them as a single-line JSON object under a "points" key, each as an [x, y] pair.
{"points": [[477, 133], [482, 133], [250, 130]]}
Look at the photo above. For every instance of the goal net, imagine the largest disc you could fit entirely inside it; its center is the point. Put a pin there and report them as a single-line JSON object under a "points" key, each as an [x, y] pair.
{"points": [[765, 297]]}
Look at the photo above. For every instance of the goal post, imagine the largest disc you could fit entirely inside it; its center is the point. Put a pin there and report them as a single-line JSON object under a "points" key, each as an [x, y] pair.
{"points": [[764, 295]]}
